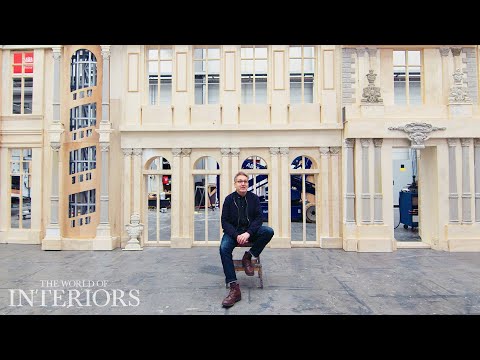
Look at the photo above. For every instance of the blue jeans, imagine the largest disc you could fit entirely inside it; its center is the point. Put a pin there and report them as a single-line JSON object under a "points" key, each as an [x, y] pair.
{"points": [[260, 239]]}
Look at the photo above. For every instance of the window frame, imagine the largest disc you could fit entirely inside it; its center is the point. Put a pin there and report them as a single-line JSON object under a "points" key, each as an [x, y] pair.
{"points": [[407, 76], [302, 73], [23, 75], [255, 74], [159, 60], [205, 85]]}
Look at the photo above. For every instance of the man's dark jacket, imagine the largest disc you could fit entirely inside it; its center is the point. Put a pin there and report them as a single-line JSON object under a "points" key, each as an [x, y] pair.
{"points": [[230, 214]]}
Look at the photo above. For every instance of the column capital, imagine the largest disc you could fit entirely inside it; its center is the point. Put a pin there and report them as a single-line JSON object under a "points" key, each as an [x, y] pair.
{"points": [[127, 151], [235, 151], [106, 51], [365, 142], [452, 141], [372, 51], [465, 142], [105, 146], [176, 151], [274, 150], [349, 143], [476, 142], [335, 150], [361, 51], [377, 142], [324, 150], [137, 152], [57, 52], [55, 145], [284, 150], [456, 51], [444, 51], [225, 151], [186, 151]]}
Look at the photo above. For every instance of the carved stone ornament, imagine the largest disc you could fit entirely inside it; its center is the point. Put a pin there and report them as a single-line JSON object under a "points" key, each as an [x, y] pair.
{"points": [[444, 51], [417, 133], [235, 151], [176, 151], [274, 150], [55, 146], [456, 51], [371, 93], [127, 151], [225, 151], [134, 230], [284, 150], [324, 150], [458, 93], [377, 142], [186, 152], [349, 143], [335, 150]]}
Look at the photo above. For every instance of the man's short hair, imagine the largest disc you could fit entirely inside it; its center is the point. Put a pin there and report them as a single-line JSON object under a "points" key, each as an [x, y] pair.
{"points": [[238, 174]]}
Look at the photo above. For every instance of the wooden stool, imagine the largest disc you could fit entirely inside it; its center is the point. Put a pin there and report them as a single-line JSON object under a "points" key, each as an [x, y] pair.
{"points": [[257, 265]]}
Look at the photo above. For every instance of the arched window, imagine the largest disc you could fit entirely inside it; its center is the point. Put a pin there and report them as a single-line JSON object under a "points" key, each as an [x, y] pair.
{"points": [[256, 169], [83, 70], [158, 182], [206, 219], [303, 173]]}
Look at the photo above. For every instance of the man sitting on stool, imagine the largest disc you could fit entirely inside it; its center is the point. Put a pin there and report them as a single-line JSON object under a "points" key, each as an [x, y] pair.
{"points": [[241, 223]]}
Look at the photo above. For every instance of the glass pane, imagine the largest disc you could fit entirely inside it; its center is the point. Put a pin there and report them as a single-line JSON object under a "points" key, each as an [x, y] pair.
{"points": [[26, 167], [166, 91], [214, 67], [309, 65], [152, 201], [261, 52], [199, 94], [17, 96], [214, 223], [415, 95], [165, 54], [214, 93], [308, 91], [297, 163], [153, 67], [414, 57], [214, 53], [295, 90], [399, 94], [295, 66], [152, 54], [165, 67], [246, 66], [296, 208], [399, 57], [28, 96], [199, 66], [260, 66], [199, 53], [26, 202], [15, 195], [308, 51], [15, 168], [247, 52], [295, 51], [247, 92], [199, 207], [261, 90]]}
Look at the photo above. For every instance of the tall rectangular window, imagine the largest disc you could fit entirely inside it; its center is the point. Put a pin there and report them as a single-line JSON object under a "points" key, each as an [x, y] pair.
{"points": [[20, 188], [407, 72], [206, 65], [22, 82], [160, 73], [253, 65], [302, 73]]}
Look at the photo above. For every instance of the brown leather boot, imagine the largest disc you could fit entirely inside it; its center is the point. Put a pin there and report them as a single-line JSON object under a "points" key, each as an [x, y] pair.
{"points": [[233, 296], [247, 264]]}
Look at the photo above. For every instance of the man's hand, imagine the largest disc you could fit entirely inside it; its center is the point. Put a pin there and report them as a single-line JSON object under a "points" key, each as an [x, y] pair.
{"points": [[243, 238]]}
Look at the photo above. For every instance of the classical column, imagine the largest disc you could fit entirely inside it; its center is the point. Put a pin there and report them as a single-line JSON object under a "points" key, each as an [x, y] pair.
{"points": [[477, 179], [378, 195], [226, 179], [466, 194], [137, 176], [176, 193], [104, 184], [52, 239], [362, 72], [457, 58], [285, 193], [186, 204], [274, 208], [365, 182], [335, 192], [324, 193], [350, 195], [234, 152], [373, 63], [127, 186], [452, 183], [444, 52], [106, 83]]}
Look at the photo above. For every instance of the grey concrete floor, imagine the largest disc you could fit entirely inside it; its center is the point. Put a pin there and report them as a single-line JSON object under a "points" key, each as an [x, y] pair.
{"points": [[191, 281]]}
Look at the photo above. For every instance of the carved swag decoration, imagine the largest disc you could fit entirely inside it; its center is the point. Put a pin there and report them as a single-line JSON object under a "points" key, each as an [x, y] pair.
{"points": [[371, 93], [418, 133]]}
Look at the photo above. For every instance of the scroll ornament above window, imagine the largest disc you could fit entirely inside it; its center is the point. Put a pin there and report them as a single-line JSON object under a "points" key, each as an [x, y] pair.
{"points": [[418, 133], [371, 93], [458, 93]]}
